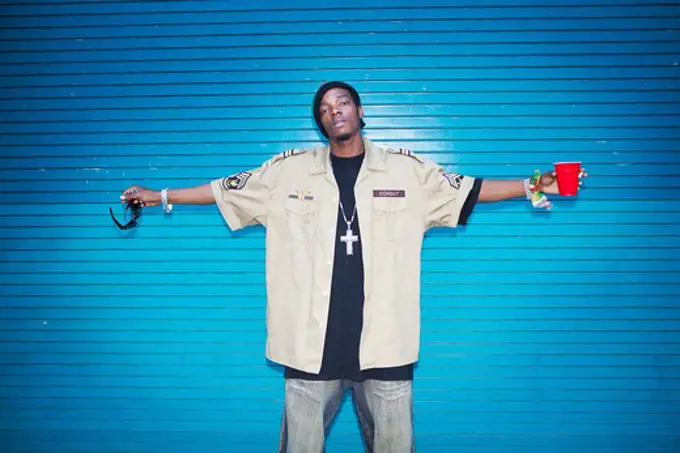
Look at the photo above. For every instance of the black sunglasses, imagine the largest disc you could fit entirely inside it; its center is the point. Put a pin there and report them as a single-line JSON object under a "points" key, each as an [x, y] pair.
{"points": [[135, 208]]}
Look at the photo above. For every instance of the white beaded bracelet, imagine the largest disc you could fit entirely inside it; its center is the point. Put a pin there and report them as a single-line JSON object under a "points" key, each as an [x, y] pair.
{"points": [[527, 191], [164, 199]]}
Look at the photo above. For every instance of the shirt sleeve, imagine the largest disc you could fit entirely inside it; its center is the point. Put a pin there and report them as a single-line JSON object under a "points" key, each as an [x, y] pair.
{"points": [[243, 198], [450, 197]]}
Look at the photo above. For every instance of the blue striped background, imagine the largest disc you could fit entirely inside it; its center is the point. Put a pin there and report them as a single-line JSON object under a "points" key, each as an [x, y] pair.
{"points": [[542, 332]]}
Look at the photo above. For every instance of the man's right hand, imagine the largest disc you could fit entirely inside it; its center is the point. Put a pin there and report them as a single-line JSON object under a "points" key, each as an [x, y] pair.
{"points": [[146, 196]]}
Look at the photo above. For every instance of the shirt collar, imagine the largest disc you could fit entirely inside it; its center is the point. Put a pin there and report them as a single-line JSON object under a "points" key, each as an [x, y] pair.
{"points": [[375, 159]]}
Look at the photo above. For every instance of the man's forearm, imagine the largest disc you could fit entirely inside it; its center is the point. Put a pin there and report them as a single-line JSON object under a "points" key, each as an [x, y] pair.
{"points": [[192, 195], [497, 190]]}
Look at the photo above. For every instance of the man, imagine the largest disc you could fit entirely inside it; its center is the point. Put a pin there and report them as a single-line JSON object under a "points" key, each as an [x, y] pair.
{"points": [[345, 224]]}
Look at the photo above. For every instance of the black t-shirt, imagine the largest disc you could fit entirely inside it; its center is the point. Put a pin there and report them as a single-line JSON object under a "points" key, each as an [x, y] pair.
{"points": [[345, 316]]}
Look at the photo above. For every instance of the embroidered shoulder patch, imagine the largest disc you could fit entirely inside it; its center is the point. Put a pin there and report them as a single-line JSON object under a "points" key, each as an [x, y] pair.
{"points": [[453, 178], [405, 152], [236, 182]]}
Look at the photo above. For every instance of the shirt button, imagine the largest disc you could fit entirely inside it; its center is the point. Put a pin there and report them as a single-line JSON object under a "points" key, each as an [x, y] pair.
{"points": [[325, 293], [329, 262]]}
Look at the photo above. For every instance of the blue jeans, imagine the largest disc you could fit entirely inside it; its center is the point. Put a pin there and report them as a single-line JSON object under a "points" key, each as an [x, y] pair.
{"points": [[384, 408]]}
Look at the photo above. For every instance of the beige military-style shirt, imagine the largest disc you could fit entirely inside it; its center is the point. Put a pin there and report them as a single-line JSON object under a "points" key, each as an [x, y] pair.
{"points": [[294, 196]]}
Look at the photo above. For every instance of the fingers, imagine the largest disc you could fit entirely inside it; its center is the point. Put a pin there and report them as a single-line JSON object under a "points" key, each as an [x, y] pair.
{"points": [[133, 200], [131, 193], [582, 174], [130, 190], [128, 197]]}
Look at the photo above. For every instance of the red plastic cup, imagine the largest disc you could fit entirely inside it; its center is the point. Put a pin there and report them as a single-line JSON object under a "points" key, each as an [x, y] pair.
{"points": [[567, 177]]}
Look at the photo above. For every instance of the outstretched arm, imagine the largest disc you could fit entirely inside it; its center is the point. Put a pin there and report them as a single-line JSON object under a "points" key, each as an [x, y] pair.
{"points": [[498, 189], [193, 195], [242, 198]]}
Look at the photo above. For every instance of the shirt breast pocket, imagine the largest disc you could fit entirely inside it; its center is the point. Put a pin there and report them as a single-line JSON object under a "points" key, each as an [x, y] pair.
{"points": [[301, 217], [389, 217]]}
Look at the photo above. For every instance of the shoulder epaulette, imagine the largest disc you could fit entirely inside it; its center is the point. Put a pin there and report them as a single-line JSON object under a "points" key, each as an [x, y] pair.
{"points": [[288, 153], [405, 152]]}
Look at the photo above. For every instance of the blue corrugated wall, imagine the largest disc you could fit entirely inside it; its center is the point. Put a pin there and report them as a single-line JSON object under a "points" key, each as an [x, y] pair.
{"points": [[543, 332]]}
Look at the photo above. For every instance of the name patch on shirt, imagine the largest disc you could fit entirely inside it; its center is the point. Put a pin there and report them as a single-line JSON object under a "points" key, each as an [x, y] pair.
{"points": [[389, 193]]}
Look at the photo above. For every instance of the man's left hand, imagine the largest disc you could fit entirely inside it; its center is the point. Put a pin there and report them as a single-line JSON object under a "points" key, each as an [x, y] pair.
{"points": [[548, 182]]}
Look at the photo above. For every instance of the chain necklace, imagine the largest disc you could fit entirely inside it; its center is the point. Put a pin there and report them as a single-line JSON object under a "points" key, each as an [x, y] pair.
{"points": [[349, 238]]}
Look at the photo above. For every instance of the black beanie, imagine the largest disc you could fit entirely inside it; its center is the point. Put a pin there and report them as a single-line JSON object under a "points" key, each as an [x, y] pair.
{"points": [[323, 89]]}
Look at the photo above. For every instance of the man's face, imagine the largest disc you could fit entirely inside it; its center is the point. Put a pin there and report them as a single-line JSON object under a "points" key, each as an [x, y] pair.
{"points": [[340, 115]]}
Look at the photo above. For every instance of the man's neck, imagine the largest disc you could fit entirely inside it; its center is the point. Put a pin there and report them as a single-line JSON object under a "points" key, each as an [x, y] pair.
{"points": [[354, 146]]}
